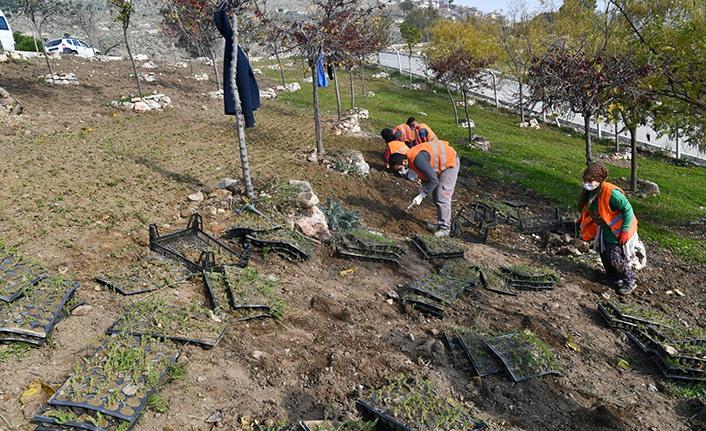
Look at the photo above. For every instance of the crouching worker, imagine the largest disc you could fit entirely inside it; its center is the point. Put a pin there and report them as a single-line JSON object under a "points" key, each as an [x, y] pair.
{"points": [[437, 165], [393, 147], [608, 217]]}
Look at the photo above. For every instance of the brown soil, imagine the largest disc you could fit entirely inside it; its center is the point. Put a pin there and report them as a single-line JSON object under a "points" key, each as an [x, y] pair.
{"points": [[82, 180]]}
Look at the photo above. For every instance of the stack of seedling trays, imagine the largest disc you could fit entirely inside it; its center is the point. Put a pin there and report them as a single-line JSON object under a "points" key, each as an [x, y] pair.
{"points": [[472, 229], [249, 224], [434, 293], [476, 350], [679, 354], [187, 246], [154, 317], [244, 293], [16, 274], [511, 281], [525, 356], [286, 242], [539, 224], [32, 317], [458, 268], [110, 390], [152, 273], [410, 404], [361, 244], [433, 247]]}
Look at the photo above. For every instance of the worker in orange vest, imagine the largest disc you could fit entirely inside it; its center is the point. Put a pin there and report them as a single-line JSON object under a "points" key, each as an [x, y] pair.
{"points": [[437, 165], [424, 132], [405, 134], [394, 146], [608, 217]]}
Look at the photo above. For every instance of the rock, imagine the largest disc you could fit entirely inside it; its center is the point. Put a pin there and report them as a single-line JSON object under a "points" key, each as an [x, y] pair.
{"points": [[196, 197], [201, 379], [312, 157], [215, 417], [380, 75], [294, 86], [61, 78], [306, 198], [82, 310], [257, 354], [314, 224], [411, 337], [220, 194], [392, 294], [141, 106], [186, 213], [371, 94], [149, 65], [257, 71], [9, 105], [130, 389], [652, 388], [267, 93], [228, 184]]}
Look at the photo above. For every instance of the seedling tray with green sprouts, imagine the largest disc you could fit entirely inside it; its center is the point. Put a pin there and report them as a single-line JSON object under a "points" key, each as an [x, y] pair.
{"points": [[410, 404], [53, 418], [494, 281], [33, 316], [287, 242], [524, 355], [16, 274], [458, 268], [483, 358], [155, 318], [433, 247], [365, 245], [440, 287], [118, 379], [424, 303], [460, 356], [539, 224], [527, 280], [245, 289], [637, 314], [152, 273], [187, 246]]}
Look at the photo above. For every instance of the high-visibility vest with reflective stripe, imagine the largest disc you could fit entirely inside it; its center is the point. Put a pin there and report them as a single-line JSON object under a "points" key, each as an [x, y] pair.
{"points": [[405, 133], [396, 147], [442, 156], [613, 219], [430, 135]]}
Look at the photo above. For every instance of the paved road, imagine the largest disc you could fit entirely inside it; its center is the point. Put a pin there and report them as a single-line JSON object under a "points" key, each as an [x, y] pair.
{"points": [[507, 91]]}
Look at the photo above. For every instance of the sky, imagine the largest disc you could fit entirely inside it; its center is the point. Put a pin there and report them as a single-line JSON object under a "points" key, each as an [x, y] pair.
{"points": [[488, 6]]}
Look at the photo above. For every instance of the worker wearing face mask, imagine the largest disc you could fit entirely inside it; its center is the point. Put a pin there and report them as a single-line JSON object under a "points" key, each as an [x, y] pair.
{"points": [[608, 217], [437, 165]]}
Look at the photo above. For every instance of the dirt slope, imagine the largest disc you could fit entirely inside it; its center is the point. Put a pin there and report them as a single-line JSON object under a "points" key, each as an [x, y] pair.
{"points": [[82, 180]]}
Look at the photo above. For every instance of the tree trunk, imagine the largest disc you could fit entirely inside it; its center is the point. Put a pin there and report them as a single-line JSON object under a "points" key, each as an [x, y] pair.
{"points": [[362, 78], [304, 68], [46, 56], [134, 66], [468, 118], [249, 192], [495, 89], [453, 103], [279, 64], [215, 69], [338, 94], [617, 138], [522, 102], [350, 74], [587, 136], [410, 65], [633, 157], [317, 120]]}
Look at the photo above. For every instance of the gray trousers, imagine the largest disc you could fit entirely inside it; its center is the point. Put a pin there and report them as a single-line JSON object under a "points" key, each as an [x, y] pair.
{"points": [[443, 193]]}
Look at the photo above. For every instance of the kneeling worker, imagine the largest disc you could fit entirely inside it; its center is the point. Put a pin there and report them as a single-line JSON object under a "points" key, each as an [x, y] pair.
{"points": [[394, 146], [437, 165]]}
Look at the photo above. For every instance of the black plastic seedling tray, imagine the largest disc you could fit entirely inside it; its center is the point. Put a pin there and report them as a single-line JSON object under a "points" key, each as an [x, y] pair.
{"points": [[520, 357], [469, 234], [438, 248], [529, 281], [34, 315], [614, 310], [192, 323], [16, 274], [285, 241], [364, 255], [90, 390], [457, 351], [152, 273], [440, 287], [424, 303], [86, 420], [186, 246], [483, 358], [495, 282], [539, 224], [222, 287], [457, 268]]}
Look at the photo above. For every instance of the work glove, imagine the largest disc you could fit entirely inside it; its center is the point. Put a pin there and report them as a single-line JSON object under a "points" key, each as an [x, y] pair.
{"points": [[418, 199], [623, 237]]}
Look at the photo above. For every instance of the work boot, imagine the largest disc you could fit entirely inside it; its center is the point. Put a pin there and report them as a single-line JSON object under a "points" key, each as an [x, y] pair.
{"points": [[442, 232], [626, 287], [433, 226]]}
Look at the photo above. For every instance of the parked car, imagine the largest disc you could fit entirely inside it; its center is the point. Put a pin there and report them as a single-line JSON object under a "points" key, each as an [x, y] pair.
{"points": [[70, 45], [6, 39]]}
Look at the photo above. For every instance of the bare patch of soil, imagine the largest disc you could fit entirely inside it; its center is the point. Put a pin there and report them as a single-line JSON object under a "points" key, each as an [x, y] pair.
{"points": [[82, 180]]}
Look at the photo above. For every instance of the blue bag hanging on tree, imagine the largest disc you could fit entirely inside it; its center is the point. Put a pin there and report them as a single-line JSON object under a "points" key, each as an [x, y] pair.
{"points": [[323, 80]]}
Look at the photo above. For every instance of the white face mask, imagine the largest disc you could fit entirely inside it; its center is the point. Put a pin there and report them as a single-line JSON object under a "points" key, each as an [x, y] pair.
{"points": [[403, 171], [590, 186]]}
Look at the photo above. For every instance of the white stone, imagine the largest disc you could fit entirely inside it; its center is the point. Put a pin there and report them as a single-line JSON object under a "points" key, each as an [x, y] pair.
{"points": [[149, 65], [257, 72], [306, 198], [141, 106], [196, 197], [313, 224]]}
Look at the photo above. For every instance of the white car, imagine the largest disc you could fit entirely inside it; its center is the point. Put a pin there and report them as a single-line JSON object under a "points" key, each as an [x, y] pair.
{"points": [[6, 39], [70, 45]]}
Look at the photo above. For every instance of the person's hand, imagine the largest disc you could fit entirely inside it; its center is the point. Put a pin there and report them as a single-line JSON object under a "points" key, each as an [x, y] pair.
{"points": [[623, 237], [418, 199]]}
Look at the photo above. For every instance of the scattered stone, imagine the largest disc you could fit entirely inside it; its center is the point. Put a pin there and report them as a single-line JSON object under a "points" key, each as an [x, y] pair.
{"points": [[306, 198], [411, 337], [215, 417], [130, 390], [257, 354], [313, 224], [200, 76], [312, 157], [9, 105], [82, 310], [371, 94], [149, 65], [257, 72], [201, 379], [531, 123], [392, 294], [186, 213], [147, 103], [294, 86], [228, 184], [268, 93], [652, 388], [415, 87], [196, 197], [380, 75], [61, 78]]}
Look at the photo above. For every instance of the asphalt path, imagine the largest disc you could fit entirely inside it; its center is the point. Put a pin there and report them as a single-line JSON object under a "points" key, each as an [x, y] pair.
{"points": [[507, 95]]}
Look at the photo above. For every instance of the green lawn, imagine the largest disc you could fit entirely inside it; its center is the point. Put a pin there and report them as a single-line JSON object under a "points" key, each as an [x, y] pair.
{"points": [[550, 161]]}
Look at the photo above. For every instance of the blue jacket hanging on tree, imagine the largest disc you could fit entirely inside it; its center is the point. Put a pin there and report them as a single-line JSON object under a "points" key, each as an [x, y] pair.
{"points": [[323, 81], [244, 77]]}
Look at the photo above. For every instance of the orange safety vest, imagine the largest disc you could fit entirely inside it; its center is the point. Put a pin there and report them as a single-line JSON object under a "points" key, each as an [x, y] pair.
{"points": [[442, 156], [430, 134], [408, 134], [396, 147], [614, 219]]}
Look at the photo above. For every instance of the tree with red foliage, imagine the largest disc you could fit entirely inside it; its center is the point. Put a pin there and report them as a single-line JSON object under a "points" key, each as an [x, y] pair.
{"points": [[464, 70], [315, 33]]}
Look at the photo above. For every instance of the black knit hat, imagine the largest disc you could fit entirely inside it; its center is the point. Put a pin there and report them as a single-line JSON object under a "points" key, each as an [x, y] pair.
{"points": [[387, 135], [410, 120], [596, 171]]}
